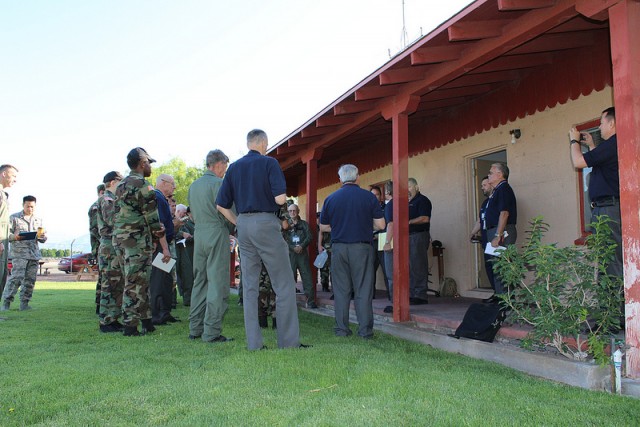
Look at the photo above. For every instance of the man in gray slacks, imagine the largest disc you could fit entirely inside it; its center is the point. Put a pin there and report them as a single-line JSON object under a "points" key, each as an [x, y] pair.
{"points": [[256, 184]]}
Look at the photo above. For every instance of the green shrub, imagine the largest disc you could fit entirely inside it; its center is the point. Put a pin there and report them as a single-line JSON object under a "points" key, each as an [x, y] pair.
{"points": [[564, 293]]}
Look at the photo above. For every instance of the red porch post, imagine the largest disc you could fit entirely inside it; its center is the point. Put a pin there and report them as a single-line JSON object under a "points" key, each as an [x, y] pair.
{"points": [[625, 54], [310, 158], [399, 112]]}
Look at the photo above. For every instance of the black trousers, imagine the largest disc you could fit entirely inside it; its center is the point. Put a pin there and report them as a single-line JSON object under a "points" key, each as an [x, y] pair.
{"points": [[160, 293]]}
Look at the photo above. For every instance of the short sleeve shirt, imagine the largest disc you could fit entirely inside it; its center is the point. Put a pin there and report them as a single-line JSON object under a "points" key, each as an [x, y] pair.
{"points": [[252, 183], [502, 199], [420, 205], [603, 160], [350, 212]]}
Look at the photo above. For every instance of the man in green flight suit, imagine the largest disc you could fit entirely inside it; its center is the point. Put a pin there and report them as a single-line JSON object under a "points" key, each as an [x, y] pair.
{"points": [[298, 238]]}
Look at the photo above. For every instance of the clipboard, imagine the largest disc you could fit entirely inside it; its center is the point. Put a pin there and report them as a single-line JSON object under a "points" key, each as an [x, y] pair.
{"points": [[28, 235]]}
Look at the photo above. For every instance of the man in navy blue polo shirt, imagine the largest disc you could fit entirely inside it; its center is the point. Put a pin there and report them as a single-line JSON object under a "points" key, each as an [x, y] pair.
{"points": [[256, 184], [161, 282], [604, 186], [419, 239], [351, 214], [501, 216]]}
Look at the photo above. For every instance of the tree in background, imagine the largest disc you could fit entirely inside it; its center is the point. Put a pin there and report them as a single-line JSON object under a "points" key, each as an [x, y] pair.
{"points": [[182, 174]]}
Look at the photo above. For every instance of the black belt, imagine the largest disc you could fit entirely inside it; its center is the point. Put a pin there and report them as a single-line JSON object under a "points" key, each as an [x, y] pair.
{"points": [[602, 202], [252, 212]]}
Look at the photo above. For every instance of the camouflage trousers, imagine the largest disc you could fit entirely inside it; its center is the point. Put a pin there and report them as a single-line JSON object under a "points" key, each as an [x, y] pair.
{"points": [[23, 276], [325, 273], [300, 263], [266, 295], [111, 284], [136, 266]]}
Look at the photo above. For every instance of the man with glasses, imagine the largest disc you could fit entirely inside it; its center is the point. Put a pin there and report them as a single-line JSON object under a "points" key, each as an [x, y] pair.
{"points": [[160, 287], [298, 238]]}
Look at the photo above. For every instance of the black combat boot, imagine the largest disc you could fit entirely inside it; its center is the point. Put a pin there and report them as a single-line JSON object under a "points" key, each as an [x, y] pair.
{"points": [[262, 321], [147, 326], [131, 331]]}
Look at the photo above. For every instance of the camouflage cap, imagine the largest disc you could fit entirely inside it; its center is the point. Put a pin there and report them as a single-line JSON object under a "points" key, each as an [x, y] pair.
{"points": [[111, 176], [137, 155]]}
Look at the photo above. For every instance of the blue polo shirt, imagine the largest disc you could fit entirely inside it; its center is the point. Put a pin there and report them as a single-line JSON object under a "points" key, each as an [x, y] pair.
{"points": [[502, 199], [164, 212], [350, 212], [252, 183], [603, 160], [420, 205]]}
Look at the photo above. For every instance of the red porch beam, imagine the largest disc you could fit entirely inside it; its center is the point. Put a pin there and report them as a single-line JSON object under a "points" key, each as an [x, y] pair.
{"points": [[298, 141], [436, 54], [507, 5], [375, 92], [333, 121], [595, 9], [353, 107], [475, 30], [310, 159], [516, 62], [398, 111], [551, 42], [310, 131], [625, 57], [483, 78], [402, 75]]}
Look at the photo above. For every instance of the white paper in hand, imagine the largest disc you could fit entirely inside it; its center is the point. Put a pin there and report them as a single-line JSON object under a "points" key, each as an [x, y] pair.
{"points": [[490, 250], [166, 267]]}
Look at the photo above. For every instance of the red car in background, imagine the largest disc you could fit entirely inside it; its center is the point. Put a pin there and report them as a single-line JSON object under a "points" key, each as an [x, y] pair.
{"points": [[80, 262]]}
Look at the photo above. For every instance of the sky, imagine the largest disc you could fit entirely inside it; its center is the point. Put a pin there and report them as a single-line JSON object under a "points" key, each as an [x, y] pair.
{"points": [[83, 82]]}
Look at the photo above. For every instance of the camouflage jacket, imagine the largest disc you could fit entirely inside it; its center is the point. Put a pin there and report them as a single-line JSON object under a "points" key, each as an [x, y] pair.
{"points": [[94, 235], [136, 213], [105, 216], [298, 234], [25, 249], [4, 217]]}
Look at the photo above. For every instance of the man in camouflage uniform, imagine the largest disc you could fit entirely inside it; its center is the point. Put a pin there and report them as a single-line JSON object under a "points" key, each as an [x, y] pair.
{"points": [[266, 299], [25, 254], [94, 238], [184, 251], [298, 238], [136, 229], [110, 264], [8, 175]]}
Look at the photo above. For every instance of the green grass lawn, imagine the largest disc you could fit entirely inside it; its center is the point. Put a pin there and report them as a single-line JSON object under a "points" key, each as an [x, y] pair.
{"points": [[57, 369]]}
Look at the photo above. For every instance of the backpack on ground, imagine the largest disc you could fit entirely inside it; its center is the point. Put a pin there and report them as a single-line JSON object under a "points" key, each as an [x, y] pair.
{"points": [[481, 322]]}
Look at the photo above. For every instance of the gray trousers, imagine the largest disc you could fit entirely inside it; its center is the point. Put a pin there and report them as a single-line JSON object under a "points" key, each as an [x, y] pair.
{"points": [[210, 291], [419, 264], [352, 270], [499, 287], [261, 239]]}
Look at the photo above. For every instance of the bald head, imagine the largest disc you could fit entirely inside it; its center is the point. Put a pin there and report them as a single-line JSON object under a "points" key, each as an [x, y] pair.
{"points": [[166, 184]]}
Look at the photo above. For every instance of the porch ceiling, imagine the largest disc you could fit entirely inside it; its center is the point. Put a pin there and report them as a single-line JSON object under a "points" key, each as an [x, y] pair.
{"points": [[489, 47]]}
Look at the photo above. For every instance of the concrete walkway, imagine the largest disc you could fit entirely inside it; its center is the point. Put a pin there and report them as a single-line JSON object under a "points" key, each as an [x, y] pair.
{"points": [[431, 323]]}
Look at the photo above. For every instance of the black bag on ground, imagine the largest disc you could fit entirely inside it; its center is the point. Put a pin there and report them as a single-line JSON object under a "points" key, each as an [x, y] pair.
{"points": [[481, 322]]}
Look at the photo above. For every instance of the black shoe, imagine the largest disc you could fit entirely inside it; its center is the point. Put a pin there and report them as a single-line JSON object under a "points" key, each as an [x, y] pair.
{"points": [[418, 301], [298, 291], [305, 346], [388, 309], [194, 337], [331, 297], [220, 338], [493, 299], [109, 328], [262, 321], [118, 325], [147, 326], [172, 319], [131, 331], [158, 322]]}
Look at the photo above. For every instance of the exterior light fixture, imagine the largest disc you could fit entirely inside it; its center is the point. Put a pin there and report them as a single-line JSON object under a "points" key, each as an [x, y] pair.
{"points": [[515, 135]]}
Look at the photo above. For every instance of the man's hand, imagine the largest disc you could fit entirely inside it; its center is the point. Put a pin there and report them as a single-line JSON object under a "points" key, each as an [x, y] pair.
{"points": [[495, 242], [387, 247], [186, 235], [297, 249], [159, 233], [166, 255]]}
